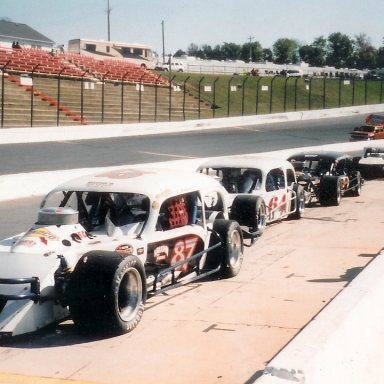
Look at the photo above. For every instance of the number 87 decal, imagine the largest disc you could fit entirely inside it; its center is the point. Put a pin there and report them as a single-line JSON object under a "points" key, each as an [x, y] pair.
{"points": [[183, 249]]}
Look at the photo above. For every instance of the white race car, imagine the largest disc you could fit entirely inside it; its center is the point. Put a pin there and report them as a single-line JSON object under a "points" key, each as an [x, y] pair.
{"points": [[271, 181], [371, 165], [104, 243]]}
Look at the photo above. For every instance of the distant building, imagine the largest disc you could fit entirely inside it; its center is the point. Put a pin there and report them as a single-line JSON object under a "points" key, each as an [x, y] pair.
{"points": [[140, 54], [27, 37]]}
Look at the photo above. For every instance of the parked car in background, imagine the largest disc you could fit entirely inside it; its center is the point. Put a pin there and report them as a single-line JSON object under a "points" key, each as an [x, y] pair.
{"points": [[326, 176], [372, 130], [371, 165], [175, 66], [269, 184], [104, 243]]}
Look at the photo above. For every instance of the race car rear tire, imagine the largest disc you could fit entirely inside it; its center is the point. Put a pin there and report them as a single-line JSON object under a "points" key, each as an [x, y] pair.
{"points": [[299, 202], [330, 190], [249, 211], [107, 292], [230, 254]]}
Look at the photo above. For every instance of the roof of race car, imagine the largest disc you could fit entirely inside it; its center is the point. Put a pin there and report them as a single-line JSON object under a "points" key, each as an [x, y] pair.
{"points": [[317, 155], [263, 163], [150, 182]]}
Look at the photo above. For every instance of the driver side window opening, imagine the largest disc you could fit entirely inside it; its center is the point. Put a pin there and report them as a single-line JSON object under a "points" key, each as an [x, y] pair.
{"points": [[275, 180], [237, 180], [179, 211]]}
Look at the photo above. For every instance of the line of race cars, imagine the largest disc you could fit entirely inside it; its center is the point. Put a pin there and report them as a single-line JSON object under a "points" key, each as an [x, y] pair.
{"points": [[102, 244]]}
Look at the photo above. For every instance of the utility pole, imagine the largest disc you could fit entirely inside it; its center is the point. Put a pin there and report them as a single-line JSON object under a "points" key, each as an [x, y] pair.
{"points": [[108, 17], [250, 38], [162, 35]]}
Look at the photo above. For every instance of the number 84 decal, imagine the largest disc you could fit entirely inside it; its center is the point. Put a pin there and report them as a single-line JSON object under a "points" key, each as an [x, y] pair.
{"points": [[278, 204]]}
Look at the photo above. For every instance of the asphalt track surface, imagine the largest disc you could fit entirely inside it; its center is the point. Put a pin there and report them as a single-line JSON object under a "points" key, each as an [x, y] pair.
{"points": [[214, 331], [33, 157]]}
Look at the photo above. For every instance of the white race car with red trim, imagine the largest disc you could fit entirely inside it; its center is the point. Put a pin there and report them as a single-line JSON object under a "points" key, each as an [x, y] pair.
{"points": [[270, 182], [104, 243]]}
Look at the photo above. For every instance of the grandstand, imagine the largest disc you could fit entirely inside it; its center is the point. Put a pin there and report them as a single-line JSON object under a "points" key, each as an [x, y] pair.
{"points": [[44, 86], [91, 90]]}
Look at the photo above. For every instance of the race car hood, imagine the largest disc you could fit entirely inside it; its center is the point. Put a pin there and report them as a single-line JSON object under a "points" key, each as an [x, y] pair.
{"points": [[28, 264], [27, 292]]}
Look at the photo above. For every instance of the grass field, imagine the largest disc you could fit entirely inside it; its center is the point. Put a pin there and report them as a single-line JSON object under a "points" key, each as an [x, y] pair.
{"points": [[247, 95]]}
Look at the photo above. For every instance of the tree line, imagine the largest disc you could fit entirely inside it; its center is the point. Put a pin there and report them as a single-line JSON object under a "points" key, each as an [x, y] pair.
{"points": [[337, 50]]}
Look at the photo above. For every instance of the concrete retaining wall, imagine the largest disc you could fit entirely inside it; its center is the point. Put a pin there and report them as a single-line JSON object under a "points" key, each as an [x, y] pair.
{"points": [[344, 343]]}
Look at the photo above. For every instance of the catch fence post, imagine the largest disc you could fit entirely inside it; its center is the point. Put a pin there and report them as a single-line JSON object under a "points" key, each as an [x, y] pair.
{"points": [[2, 92], [102, 96], [285, 94], [214, 98], [58, 96], [243, 95], [296, 81], [199, 108], [270, 94], [170, 98], [82, 96], [184, 86], [229, 95], [122, 98], [140, 89], [156, 89], [257, 95], [32, 91]]}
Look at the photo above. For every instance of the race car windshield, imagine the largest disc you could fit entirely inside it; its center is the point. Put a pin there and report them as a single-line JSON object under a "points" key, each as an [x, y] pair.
{"points": [[93, 207]]}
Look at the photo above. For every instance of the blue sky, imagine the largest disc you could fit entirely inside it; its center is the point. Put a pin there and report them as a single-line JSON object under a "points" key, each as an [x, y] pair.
{"points": [[199, 21]]}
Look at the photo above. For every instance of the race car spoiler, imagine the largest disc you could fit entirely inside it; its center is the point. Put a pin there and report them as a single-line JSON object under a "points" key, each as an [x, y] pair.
{"points": [[374, 119], [34, 294]]}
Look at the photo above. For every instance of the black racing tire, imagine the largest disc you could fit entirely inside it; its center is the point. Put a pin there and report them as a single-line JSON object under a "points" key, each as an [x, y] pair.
{"points": [[299, 202], [249, 211], [330, 191], [106, 292], [230, 254]]}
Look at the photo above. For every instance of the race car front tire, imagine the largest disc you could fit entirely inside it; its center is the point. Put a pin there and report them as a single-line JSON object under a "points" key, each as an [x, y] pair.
{"points": [[231, 250], [249, 211], [330, 190], [299, 202], [107, 292]]}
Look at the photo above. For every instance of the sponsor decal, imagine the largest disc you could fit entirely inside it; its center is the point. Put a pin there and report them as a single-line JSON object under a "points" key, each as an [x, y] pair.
{"points": [[125, 248], [43, 234], [344, 182], [161, 254], [79, 236]]}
